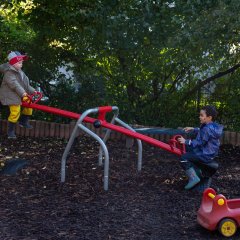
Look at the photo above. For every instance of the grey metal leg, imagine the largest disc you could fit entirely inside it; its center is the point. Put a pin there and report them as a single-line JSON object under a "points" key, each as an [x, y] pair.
{"points": [[106, 137], [96, 137], [139, 166], [65, 154], [103, 149], [70, 142], [106, 154]]}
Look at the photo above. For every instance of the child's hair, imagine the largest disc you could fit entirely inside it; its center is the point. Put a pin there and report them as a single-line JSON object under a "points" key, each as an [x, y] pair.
{"points": [[210, 111]]}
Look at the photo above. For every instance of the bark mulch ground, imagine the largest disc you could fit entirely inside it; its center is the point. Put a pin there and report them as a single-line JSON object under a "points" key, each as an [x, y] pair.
{"points": [[142, 206]]}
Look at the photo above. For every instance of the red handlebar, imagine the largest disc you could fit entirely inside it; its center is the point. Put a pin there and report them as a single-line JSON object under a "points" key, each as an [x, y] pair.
{"points": [[173, 142], [102, 112], [31, 97]]}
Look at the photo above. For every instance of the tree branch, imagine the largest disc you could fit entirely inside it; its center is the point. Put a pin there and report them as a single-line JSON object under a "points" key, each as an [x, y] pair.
{"points": [[208, 80], [178, 77]]}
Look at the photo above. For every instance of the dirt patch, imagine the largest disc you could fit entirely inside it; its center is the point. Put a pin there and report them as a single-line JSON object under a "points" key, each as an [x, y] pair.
{"points": [[147, 205]]}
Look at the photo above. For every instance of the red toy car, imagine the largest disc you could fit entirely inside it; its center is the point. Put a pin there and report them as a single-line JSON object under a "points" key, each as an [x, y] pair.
{"points": [[216, 212]]}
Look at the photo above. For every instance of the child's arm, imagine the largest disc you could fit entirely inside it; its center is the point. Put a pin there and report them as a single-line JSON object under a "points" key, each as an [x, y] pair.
{"points": [[30, 89], [196, 130], [191, 129], [199, 141], [13, 84], [196, 142]]}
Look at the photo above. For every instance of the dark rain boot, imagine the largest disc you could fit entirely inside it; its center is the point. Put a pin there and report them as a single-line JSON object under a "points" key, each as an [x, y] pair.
{"points": [[24, 122], [193, 178], [207, 181], [203, 185], [11, 130]]}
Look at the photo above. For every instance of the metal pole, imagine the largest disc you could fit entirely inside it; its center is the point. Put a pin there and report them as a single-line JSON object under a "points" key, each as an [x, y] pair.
{"points": [[70, 142], [106, 154], [139, 165], [106, 137]]}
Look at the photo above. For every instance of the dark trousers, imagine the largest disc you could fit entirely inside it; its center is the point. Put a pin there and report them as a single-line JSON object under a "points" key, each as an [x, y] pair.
{"points": [[189, 160]]}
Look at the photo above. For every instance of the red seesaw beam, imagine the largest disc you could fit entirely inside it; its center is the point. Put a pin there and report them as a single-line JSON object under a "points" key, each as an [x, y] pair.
{"points": [[105, 124]]}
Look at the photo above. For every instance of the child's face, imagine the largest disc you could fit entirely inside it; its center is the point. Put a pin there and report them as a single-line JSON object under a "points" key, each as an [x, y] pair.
{"points": [[204, 118], [18, 65]]}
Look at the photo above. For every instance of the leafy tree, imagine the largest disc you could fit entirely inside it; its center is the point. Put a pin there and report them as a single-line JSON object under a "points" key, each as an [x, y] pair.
{"points": [[153, 59]]}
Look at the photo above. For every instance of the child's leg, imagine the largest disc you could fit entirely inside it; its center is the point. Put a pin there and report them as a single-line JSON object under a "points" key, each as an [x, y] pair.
{"points": [[187, 161], [14, 113], [208, 170], [24, 119], [27, 111], [12, 120]]}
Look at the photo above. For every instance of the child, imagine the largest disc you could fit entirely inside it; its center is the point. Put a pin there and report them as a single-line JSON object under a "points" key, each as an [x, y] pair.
{"points": [[204, 148], [15, 87]]}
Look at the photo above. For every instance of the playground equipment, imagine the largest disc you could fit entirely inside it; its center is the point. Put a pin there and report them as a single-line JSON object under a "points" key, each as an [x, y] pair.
{"points": [[217, 212], [161, 131], [173, 146]]}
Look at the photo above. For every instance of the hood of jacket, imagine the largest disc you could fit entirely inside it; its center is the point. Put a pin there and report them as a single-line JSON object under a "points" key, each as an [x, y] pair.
{"points": [[215, 129], [6, 67]]}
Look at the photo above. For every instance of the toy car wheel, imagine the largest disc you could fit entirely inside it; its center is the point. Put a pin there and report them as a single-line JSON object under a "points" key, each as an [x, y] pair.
{"points": [[227, 227]]}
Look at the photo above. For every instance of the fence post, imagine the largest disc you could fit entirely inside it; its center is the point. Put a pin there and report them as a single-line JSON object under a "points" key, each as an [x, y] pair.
{"points": [[67, 131], [226, 137], [233, 138], [57, 130], [238, 139], [32, 131], [52, 129]]}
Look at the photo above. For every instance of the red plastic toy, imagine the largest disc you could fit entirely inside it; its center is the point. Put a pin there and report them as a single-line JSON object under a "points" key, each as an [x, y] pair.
{"points": [[217, 212]]}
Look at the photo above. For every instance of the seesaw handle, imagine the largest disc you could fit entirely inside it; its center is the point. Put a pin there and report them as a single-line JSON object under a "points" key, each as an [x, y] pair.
{"points": [[174, 143], [39, 94]]}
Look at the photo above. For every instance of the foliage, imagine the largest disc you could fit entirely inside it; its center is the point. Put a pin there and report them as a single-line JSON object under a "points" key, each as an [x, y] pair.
{"points": [[150, 58]]}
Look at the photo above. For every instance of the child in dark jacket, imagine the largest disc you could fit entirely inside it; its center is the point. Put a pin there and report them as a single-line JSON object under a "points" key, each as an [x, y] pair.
{"points": [[15, 87], [204, 148]]}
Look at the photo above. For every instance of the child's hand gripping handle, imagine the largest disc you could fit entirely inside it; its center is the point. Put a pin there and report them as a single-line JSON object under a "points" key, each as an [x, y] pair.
{"points": [[175, 144], [33, 98]]}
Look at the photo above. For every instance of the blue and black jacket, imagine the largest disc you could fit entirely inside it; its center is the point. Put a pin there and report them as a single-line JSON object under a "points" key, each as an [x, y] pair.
{"points": [[207, 142]]}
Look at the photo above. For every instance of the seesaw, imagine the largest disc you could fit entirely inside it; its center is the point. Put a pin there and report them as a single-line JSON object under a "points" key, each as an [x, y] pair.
{"points": [[173, 146]]}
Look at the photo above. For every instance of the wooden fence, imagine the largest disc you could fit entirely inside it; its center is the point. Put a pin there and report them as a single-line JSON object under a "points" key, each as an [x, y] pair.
{"points": [[63, 131]]}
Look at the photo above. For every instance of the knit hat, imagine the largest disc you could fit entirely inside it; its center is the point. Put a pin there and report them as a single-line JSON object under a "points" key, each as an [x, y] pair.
{"points": [[15, 57]]}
